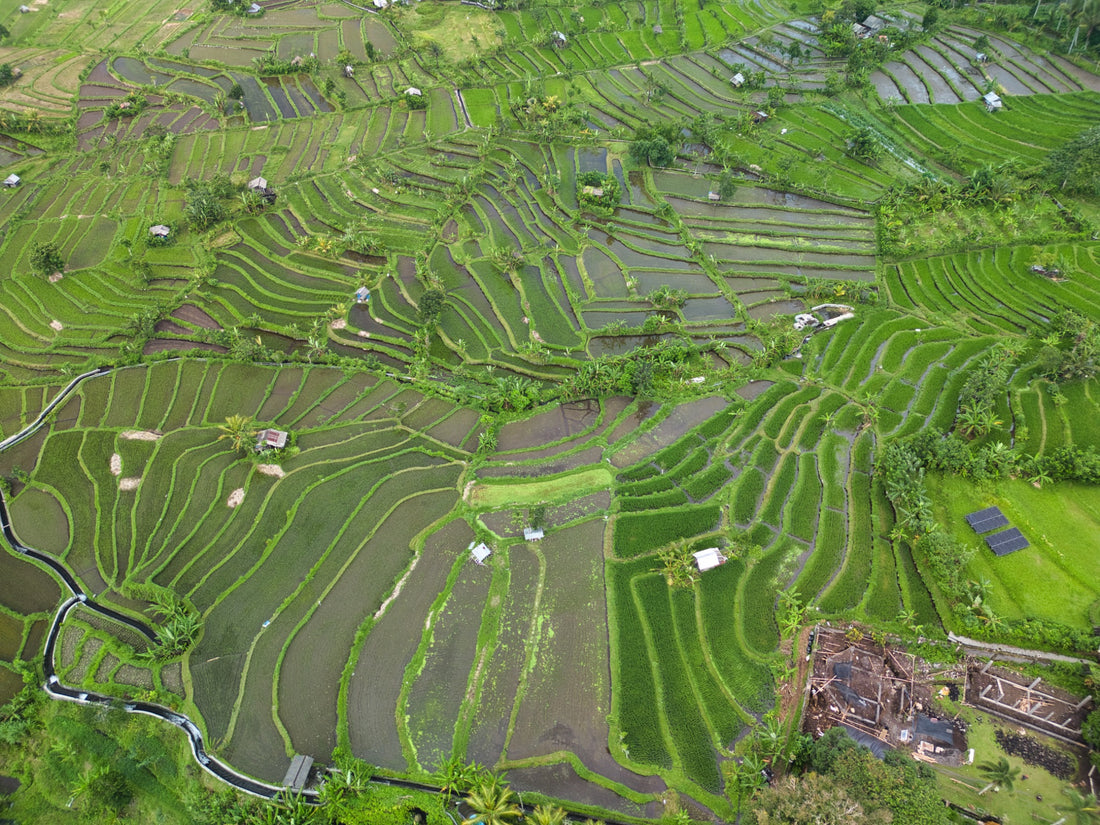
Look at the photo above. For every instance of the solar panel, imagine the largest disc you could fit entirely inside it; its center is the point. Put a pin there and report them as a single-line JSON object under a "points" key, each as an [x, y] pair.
{"points": [[985, 520], [991, 523], [1007, 541], [981, 515]]}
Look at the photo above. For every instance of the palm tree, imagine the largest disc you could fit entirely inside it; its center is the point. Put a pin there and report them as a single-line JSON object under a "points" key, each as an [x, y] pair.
{"points": [[1083, 13], [459, 776], [546, 815], [1000, 774], [1081, 808], [493, 803], [239, 430]]}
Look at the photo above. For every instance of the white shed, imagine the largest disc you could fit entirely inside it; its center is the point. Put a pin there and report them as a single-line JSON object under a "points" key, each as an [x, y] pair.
{"points": [[709, 558], [257, 183], [532, 533], [412, 91], [480, 552], [992, 101]]}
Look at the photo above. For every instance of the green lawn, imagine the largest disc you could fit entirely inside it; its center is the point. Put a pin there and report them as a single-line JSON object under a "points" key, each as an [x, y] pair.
{"points": [[1021, 804], [1058, 576]]}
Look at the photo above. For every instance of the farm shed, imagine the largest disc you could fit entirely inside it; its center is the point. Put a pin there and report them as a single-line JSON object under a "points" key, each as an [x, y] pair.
{"points": [[159, 231], [759, 117], [709, 559], [255, 9], [593, 191], [257, 184], [12, 181], [271, 440], [532, 533], [362, 295], [412, 91], [298, 772], [657, 29], [349, 71], [557, 39], [480, 552], [713, 196], [992, 101]]}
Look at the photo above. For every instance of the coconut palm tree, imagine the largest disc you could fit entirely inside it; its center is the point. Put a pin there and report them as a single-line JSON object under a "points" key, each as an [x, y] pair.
{"points": [[492, 803], [546, 815], [239, 430], [1000, 774], [1082, 809]]}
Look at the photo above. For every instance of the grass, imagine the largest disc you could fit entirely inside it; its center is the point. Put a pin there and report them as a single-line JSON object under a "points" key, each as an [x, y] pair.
{"points": [[1058, 576], [492, 496], [962, 784]]}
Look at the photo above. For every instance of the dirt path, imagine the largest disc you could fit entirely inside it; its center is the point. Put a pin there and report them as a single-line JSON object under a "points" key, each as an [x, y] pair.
{"points": [[790, 693]]}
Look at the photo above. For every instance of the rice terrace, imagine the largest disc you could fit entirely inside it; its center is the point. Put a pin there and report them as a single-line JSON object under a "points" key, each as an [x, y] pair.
{"points": [[499, 411]]}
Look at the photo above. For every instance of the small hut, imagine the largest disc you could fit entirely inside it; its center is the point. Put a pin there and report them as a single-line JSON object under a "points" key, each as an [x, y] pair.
{"points": [[759, 117], [257, 184], [557, 40], [992, 102], [270, 440], [713, 196], [159, 231], [480, 552], [709, 559], [12, 181], [657, 29], [349, 71], [412, 91], [362, 295], [532, 533], [738, 80], [255, 8]]}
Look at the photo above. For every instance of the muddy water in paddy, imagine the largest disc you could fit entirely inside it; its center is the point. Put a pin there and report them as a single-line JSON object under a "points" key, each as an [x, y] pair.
{"points": [[619, 344], [690, 282], [707, 309], [778, 308], [909, 82], [754, 389]]}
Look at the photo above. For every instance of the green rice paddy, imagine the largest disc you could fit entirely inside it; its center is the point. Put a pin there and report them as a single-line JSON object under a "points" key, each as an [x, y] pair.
{"points": [[616, 374]]}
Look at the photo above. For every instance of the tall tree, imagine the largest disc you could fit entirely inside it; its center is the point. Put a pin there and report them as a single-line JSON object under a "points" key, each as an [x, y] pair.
{"points": [[239, 430], [492, 803], [1000, 774]]}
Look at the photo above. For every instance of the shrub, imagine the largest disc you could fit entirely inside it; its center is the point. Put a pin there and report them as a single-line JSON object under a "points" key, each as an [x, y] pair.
{"points": [[46, 258]]}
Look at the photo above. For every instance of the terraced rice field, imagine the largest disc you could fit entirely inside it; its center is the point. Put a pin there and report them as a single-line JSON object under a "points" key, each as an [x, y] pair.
{"points": [[340, 605]]}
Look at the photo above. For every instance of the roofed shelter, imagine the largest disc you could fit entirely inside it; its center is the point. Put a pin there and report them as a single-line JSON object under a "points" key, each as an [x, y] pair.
{"points": [[12, 181], [993, 102], [159, 231], [298, 772], [709, 559], [257, 183], [271, 439], [532, 533], [480, 552]]}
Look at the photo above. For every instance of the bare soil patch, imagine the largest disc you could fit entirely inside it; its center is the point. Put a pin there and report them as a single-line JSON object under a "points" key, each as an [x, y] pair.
{"points": [[116, 465], [270, 470], [130, 483], [235, 498], [140, 435]]}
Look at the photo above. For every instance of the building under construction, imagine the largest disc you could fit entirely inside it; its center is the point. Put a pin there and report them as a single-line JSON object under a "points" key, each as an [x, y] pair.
{"points": [[883, 697]]}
